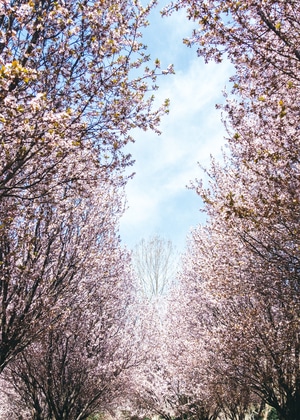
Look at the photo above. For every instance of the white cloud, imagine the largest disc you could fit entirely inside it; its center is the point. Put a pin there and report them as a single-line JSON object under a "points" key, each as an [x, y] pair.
{"points": [[157, 196]]}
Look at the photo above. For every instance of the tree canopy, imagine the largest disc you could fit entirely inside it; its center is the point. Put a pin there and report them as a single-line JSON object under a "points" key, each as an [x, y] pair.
{"points": [[74, 340], [75, 81], [240, 277]]}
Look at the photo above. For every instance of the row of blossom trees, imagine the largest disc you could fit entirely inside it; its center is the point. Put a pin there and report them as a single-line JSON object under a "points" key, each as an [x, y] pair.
{"points": [[74, 82], [232, 342], [235, 316], [72, 339]]}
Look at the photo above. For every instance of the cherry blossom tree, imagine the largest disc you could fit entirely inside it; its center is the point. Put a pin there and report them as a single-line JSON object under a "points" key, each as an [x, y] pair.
{"points": [[66, 85], [243, 273], [72, 87], [45, 256], [204, 319], [149, 382], [79, 367]]}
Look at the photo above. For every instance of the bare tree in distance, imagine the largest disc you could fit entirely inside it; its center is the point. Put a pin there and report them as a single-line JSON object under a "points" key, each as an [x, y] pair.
{"points": [[155, 264]]}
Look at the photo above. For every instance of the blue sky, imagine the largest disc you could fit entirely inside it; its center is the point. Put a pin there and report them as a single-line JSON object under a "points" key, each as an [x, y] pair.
{"points": [[157, 198]]}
